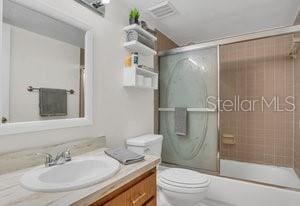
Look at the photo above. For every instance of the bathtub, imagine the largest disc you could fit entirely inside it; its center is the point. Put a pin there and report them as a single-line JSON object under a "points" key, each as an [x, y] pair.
{"points": [[230, 192], [281, 176]]}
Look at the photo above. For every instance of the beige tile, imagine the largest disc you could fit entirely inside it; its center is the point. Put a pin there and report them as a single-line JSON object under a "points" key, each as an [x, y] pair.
{"points": [[262, 69]]}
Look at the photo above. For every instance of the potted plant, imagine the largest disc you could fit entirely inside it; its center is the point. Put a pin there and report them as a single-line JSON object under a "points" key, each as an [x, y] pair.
{"points": [[134, 16]]}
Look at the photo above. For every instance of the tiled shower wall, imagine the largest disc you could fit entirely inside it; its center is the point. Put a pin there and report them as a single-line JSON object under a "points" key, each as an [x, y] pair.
{"points": [[251, 70], [297, 115]]}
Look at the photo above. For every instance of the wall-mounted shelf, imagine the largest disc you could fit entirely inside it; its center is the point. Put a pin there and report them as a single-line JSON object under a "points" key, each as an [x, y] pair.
{"points": [[141, 31], [135, 46], [135, 77], [130, 78]]}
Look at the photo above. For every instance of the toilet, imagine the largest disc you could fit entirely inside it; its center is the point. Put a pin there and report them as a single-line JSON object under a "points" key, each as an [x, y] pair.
{"points": [[179, 186]]}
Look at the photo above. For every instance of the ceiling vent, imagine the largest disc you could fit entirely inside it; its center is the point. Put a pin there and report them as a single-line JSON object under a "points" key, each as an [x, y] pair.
{"points": [[162, 10]]}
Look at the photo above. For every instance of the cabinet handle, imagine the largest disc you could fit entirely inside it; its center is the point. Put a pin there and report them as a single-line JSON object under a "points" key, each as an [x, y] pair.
{"points": [[138, 198]]}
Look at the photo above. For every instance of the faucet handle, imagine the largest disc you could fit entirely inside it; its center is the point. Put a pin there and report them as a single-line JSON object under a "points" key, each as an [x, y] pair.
{"points": [[67, 155], [49, 161], [63, 157]]}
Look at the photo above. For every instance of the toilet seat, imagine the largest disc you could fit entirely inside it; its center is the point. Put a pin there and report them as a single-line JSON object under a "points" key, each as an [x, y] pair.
{"points": [[183, 181]]}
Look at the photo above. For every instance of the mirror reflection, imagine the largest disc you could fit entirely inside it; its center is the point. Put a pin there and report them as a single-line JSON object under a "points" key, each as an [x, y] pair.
{"points": [[42, 68]]}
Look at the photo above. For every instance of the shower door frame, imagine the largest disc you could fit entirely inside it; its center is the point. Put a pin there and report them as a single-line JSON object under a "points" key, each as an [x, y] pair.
{"points": [[216, 44]]}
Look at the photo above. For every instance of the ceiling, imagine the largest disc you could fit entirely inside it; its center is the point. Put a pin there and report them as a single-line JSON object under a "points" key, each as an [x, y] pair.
{"points": [[203, 20]]}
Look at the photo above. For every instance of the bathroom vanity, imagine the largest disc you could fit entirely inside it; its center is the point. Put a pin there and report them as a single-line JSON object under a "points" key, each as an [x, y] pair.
{"points": [[140, 191], [133, 185]]}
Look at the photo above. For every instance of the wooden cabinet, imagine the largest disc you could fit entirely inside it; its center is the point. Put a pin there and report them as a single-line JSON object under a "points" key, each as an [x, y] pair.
{"points": [[139, 192], [152, 202]]}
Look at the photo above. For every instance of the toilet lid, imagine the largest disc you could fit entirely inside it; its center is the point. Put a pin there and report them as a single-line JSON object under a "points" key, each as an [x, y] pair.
{"points": [[184, 178]]}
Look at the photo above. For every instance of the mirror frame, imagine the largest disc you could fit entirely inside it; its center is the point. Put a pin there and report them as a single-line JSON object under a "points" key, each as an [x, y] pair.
{"points": [[34, 126]]}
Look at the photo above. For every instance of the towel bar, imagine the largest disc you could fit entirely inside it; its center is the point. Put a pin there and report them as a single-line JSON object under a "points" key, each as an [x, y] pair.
{"points": [[31, 89], [188, 109]]}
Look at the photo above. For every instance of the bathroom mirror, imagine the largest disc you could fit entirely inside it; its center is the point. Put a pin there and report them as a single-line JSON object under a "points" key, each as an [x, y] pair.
{"points": [[45, 68]]}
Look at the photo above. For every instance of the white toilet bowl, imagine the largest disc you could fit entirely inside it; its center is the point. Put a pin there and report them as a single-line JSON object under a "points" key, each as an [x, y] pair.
{"points": [[183, 187], [180, 187]]}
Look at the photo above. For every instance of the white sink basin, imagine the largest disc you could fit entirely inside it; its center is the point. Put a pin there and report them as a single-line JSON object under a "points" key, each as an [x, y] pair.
{"points": [[79, 173]]}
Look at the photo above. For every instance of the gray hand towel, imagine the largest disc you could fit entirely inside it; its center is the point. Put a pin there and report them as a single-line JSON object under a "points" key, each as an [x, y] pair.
{"points": [[53, 102], [180, 121], [124, 156]]}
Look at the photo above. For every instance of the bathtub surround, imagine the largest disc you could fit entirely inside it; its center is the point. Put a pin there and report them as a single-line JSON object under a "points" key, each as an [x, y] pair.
{"points": [[297, 116], [118, 113], [28, 158], [251, 70], [297, 111]]}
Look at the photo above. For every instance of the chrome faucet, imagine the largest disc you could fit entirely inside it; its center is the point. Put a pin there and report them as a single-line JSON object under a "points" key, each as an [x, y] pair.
{"points": [[61, 158]]}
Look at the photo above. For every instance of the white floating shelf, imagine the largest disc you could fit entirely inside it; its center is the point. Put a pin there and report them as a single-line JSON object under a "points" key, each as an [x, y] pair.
{"points": [[146, 72], [130, 78], [141, 31], [135, 46]]}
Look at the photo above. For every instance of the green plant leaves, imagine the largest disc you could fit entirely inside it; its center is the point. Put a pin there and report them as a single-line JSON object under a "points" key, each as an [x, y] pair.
{"points": [[134, 14]]}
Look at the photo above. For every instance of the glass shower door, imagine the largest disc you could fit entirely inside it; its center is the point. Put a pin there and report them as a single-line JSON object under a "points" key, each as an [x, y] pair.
{"points": [[188, 80]]}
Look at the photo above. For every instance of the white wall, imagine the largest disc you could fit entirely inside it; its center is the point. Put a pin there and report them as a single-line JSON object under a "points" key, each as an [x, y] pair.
{"points": [[2, 82], [118, 113], [4, 72], [40, 61]]}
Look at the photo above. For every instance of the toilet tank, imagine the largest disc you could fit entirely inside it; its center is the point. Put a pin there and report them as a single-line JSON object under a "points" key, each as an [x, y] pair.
{"points": [[149, 144]]}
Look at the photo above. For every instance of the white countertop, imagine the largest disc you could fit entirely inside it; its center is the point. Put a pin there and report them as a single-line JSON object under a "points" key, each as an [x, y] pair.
{"points": [[11, 193]]}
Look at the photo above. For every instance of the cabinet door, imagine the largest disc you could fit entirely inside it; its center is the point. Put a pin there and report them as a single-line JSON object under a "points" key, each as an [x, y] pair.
{"points": [[143, 191], [138, 195], [152, 202], [120, 200]]}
